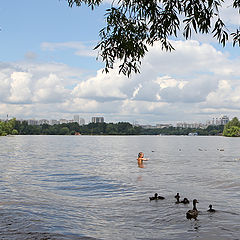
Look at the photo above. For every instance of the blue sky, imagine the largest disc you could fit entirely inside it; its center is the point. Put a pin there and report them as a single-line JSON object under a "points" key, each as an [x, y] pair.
{"points": [[27, 24], [48, 70]]}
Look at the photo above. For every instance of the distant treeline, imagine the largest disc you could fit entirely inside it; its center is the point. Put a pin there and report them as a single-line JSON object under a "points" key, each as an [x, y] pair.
{"points": [[232, 128], [210, 130], [122, 128]]}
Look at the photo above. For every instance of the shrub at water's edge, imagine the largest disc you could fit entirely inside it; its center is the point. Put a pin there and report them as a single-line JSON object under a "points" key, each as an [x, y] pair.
{"points": [[8, 127], [232, 128]]}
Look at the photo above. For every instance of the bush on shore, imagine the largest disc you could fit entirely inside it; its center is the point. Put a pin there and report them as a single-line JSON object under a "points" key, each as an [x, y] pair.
{"points": [[232, 128]]}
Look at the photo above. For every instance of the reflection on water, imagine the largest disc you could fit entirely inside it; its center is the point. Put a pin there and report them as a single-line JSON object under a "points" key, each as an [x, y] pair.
{"points": [[91, 187]]}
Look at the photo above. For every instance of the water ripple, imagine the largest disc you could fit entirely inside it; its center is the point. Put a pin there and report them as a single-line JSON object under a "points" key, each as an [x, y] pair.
{"points": [[90, 187]]}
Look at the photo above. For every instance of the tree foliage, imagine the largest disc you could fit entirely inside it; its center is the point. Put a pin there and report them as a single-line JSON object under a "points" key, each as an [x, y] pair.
{"points": [[8, 127], [120, 128], [134, 25], [232, 128]]}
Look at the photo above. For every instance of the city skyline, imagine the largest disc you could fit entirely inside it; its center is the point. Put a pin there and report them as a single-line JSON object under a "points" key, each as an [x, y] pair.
{"points": [[49, 70], [220, 120]]}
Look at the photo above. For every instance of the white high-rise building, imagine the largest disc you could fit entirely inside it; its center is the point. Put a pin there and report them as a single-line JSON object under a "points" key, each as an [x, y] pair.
{"points": [[76, 118], [220, 121], [43, 121], [81, 121], [98, 119], [224, 120], [61, 121], [32, 122], [53, 122]]}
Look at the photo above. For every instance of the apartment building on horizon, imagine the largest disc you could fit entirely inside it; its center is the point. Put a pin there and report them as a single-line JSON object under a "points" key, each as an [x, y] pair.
{"points": [[80, 121], [215, 121], [97, 119]]}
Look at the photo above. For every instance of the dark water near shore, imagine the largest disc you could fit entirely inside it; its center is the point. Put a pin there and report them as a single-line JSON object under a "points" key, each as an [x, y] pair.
{"points": [[90, 187]]}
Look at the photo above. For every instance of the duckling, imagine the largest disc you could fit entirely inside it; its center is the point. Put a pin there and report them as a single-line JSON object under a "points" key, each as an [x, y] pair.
{"points": [[194, 212], [156, 197], [161, 198], [178, 197], [185, 201], [211, 209]]}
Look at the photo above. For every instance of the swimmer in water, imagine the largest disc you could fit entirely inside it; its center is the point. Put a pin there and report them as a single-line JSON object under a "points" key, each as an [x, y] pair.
{"points": [[141, 159]]}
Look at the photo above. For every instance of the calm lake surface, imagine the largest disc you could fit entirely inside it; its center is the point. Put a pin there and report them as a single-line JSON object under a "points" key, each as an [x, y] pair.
{"points": [[90, 187]]}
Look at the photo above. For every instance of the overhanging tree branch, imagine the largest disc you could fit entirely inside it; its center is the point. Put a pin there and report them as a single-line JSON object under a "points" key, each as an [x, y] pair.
{"points": [[133, 25]]}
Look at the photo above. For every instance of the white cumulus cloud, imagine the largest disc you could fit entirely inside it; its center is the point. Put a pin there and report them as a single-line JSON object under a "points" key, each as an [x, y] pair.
{"points": [[193, 82], [50, 89], [20, 91], [104, 87]]}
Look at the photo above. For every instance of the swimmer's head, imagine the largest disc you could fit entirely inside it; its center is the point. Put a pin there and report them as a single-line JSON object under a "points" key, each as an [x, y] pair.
{"points": [[140, 154]]}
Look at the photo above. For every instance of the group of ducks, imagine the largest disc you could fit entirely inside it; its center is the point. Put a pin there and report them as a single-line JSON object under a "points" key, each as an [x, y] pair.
{"points": [[190, 214]]}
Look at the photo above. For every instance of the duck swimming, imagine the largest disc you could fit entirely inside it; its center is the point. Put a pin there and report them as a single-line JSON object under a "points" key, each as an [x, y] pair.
{"points": [[156, 197], [211, 209], [185, 201], [177, 195], [161, 198], [194, 212]]}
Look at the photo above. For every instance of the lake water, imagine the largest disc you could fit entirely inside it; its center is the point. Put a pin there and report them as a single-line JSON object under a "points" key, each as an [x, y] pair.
{"points": [[90, 187]]}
